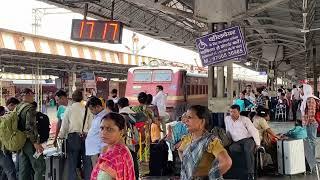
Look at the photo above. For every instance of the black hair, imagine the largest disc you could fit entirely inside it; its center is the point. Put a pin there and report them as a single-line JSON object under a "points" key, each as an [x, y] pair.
{"points": [[94, 101], [142, 98], [235, 106], [149, 99], [262, 112], [35, 104], [114, 91], [12, 100], [123, 102], [280, 90], [298, 123], [110, 104], [283, 94], [160, 87], [294, 86], [2, 110], [77, 95], [118, 119], [244, 92], [249, 85], [260, 89], [203, 113], [61, 93]]}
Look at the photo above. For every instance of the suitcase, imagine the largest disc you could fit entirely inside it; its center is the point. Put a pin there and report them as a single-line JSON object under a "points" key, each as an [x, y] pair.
{"points": [[291, 157], [55, 162], [54, 167]]}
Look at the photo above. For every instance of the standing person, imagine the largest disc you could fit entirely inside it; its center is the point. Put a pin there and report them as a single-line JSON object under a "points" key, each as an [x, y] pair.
{"points": [[27, 123], [245, 138], [261, 99], [8, 169], [308, 112], [94, 144], [296, 99], [250, 94], [123, 106], [115, 161], [160, 100], [74, 129], [110, 106], [114, 95], [11, 104], [202, 154], [61, 98]]}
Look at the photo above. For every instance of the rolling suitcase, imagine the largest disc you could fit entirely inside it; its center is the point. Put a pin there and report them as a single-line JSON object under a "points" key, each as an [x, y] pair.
{"points": [[55, 161], [291, 157]]}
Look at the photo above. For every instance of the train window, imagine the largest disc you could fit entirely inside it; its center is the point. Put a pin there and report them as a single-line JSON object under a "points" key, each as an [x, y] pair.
{"points": [[142, 75], [162, 75]]}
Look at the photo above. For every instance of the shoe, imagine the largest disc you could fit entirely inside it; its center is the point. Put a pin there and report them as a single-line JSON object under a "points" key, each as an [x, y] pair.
{"points": [[251, 177]]}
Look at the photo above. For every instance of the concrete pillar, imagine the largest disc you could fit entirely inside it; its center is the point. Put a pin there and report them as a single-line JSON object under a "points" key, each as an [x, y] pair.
{"points": [[211, 82], [220, 70], [230, 82], [220, 82]]}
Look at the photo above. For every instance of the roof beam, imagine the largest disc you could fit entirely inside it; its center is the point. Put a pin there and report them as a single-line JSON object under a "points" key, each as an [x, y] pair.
{"points": [[277, 20], [270, 26], [276, 34], [257, 10], [275, 39]]}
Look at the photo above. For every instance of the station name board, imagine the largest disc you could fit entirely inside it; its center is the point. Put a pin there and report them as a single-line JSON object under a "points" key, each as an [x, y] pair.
{"points": [[97, 31]]}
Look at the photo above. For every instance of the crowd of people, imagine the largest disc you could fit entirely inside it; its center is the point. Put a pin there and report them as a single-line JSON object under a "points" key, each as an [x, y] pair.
{"points": [[107, 139]]}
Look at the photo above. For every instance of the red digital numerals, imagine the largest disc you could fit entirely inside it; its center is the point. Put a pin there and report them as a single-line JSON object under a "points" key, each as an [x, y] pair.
{"points": [[102, 29]]}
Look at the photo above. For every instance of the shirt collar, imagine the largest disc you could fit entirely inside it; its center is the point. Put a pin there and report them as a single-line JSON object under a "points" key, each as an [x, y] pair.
{"points": [[102, 113]]}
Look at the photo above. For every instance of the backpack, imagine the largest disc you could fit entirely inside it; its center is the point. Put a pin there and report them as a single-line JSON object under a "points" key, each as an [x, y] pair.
{"points": [[43, 126], [11, 138], [222, 135]]}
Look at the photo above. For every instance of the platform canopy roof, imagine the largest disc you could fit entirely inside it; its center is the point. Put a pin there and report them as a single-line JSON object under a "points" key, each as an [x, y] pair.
{"points": [[292, 24]]}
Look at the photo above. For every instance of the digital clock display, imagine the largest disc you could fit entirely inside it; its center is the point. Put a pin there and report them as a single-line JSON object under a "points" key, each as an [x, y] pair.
{"points": [[97, 31]]}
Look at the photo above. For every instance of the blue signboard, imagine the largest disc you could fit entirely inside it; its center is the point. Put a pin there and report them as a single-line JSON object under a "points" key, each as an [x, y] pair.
{"points": [[221, 46], [87, 75]]}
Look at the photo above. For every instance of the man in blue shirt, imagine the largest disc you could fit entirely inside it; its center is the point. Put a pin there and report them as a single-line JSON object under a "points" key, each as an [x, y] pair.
{"points": [[94, 144], [62, 100]]}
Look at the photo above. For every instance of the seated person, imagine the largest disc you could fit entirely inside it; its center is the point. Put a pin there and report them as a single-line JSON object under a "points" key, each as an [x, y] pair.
{"points": [[267, 136], [243, 103], [245, 136]]}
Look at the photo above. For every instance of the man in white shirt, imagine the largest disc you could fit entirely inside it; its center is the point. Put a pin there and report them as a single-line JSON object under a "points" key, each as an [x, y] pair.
{"points": [[72, 128], [295, 96], [160, 100], [245, 137], [93, 142], [114, 95]]}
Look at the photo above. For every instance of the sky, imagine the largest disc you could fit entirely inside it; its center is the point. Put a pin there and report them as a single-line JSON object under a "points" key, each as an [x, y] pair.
{"points": [[56, 23]]}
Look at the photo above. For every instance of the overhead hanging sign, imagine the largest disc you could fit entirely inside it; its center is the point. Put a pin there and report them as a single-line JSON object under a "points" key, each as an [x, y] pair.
{"points": [[221, 46]]}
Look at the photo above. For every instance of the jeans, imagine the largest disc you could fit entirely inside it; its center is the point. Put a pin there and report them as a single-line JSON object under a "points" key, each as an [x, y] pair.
{"points": [[7, 165], [29, 165], [312, 136], [295, 105], [76, 150], [245, 146]]}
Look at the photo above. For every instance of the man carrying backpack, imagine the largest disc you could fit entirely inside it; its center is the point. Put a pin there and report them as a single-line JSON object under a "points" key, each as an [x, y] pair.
{"points": [[27, 124]]}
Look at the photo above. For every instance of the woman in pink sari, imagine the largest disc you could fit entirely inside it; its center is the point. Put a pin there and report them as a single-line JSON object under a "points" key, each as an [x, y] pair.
{"points": [[115, 162]]}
